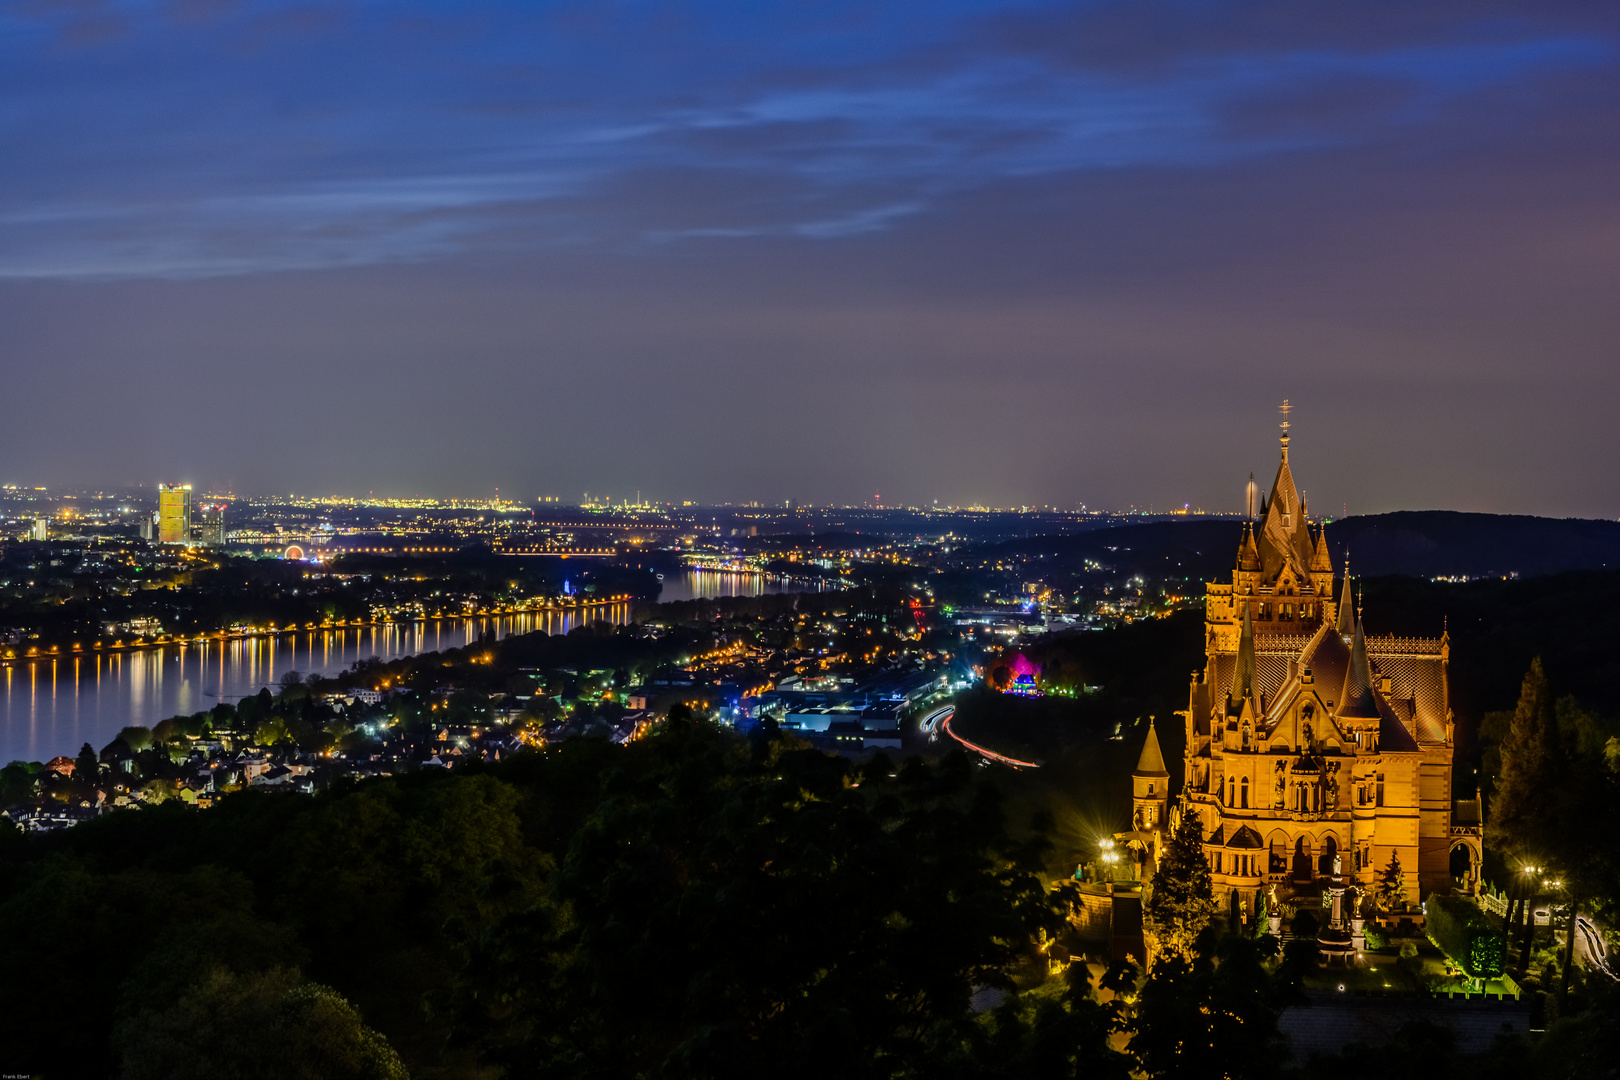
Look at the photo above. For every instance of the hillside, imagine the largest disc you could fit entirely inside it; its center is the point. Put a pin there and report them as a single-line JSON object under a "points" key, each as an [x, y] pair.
{"points": [[1419, 543]]}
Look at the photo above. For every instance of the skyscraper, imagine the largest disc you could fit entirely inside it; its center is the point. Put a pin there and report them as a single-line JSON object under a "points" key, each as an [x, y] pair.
{"points": [[174, 513], [211, 527]]}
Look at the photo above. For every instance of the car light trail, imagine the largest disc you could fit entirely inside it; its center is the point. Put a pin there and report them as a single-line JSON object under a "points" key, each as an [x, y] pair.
{"points": [[945, 725]]}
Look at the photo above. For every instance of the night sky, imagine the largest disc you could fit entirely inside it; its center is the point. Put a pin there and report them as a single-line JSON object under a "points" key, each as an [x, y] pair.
{"points": [[966, 252]]}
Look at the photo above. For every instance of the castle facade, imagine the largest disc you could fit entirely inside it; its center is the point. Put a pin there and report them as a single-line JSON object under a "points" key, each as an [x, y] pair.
{"points": [[1311, 744]]}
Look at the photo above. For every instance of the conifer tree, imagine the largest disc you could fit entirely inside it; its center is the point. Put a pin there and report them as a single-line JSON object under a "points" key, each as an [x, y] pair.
{"points": [[1522, 818], [1389, 888], [87, 768], [1180, 899]]}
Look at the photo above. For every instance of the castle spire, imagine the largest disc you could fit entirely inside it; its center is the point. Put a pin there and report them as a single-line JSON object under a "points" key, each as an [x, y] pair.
{"points": [[1152, 761], [1357, 701], [1321, 560], [1248, 553], [1243, 677], [1347, 613]]}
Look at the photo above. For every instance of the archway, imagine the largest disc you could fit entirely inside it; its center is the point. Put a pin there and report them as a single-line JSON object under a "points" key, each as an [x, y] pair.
{"points": [[1464, 863], [1330, 848], [1277, 850], [1302, 859]]}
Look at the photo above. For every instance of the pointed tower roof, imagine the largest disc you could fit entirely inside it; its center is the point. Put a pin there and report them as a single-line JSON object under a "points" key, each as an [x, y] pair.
{"points": [[1321, 561], [1284, 539], [1243, 676], [1248, 554], [1347, 611], [1357, 702], [1152, 760]]}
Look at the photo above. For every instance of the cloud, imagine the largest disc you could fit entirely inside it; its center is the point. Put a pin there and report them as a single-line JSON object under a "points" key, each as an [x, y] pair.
{"points": [[273, 136]]}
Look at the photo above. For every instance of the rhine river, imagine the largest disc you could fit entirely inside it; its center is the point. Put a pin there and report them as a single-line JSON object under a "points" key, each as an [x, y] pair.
{"points": [[52, 707]]}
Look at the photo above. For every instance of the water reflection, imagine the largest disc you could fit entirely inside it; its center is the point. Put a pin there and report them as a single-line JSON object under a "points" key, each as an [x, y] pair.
{"points": [[53, 706]]}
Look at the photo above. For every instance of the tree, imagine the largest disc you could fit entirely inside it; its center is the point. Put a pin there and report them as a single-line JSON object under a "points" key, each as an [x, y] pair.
{"points": [[1522, 821], [87, 768], [1180, 898], [1389, 887], [268, 1025]]}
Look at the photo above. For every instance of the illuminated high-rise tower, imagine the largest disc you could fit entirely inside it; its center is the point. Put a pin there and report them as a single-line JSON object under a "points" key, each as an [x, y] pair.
{"points": [[211, 531], [174, 513]]}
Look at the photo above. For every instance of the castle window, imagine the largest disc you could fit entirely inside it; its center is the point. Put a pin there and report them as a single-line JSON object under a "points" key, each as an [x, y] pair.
{"points": [[1231, 795], [1379, 800], [1245, 794]]}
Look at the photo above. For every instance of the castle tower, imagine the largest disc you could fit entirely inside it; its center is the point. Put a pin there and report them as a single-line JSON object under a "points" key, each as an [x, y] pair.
{"points": [[1150, 786]]}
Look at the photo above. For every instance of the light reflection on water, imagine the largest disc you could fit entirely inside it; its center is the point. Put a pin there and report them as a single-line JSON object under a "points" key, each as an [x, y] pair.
{"points": [[53, 706]]}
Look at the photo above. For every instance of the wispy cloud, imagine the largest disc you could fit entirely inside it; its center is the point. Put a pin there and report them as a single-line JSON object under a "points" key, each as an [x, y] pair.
{"points": [[210, 138]]}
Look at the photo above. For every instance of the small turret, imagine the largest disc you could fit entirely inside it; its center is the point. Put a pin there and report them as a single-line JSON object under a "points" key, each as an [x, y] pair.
{"points": [[1357, 701], [1248, 552], [1347, 611], [1243, 676], [1150, 785], [1321, 561]]}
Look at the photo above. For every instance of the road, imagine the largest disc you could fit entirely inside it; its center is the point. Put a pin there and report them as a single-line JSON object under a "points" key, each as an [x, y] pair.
{"points": [[1591, 949], [940, 720]]}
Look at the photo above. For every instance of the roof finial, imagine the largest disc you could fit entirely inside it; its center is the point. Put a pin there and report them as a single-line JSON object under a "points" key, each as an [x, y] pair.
{"points": [[1285, 408]]}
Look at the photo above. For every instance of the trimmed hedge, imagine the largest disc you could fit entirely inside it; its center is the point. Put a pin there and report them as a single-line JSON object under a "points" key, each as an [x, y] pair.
{"points": [[1463, 933]]}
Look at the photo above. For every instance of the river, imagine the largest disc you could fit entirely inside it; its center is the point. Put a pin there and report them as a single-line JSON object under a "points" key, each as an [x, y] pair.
{"points": [[54, 706]]}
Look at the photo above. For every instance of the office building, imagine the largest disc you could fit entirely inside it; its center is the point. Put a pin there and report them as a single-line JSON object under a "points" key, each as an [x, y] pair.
{"points": [[211, 524], [174, 513], [40, 530]]}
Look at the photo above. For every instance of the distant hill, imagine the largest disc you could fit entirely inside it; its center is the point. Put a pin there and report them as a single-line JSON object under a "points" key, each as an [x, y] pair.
{"points": [[1435, 543], [1419, 543]]}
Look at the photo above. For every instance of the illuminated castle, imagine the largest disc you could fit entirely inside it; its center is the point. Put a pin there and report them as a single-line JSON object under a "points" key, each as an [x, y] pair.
{"points": [[1307, 739]]}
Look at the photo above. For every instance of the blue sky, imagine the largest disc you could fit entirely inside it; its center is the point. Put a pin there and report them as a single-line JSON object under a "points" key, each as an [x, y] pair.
{"points": [[1182, 208]]}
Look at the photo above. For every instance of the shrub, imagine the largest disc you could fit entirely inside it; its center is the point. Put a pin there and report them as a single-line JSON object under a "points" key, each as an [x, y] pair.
{"points": [[1463, 933], [1375, 940]]}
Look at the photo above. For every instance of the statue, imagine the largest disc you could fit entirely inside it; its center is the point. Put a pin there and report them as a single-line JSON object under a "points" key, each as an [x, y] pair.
{"points": [[1271, 897], [1338, 863], [1355, 904], [1282, 788]]}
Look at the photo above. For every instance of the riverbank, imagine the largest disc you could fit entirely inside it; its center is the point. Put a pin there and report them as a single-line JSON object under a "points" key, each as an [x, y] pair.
{"points": [[14, 656]]}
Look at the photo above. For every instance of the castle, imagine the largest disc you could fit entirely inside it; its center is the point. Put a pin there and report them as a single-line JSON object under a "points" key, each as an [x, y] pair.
{"points": [[1311, 745]]}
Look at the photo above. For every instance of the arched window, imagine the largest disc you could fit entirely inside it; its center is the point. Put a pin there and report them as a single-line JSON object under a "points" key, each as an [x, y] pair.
{"points": [[1231, 791], [1245, 794], [1378, 788]]}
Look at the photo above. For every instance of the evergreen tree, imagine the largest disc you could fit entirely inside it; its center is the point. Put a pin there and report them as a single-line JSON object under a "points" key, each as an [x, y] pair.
{"points": [[1523, 819], [1389, 888], [87, 767], [1180, 899]]}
